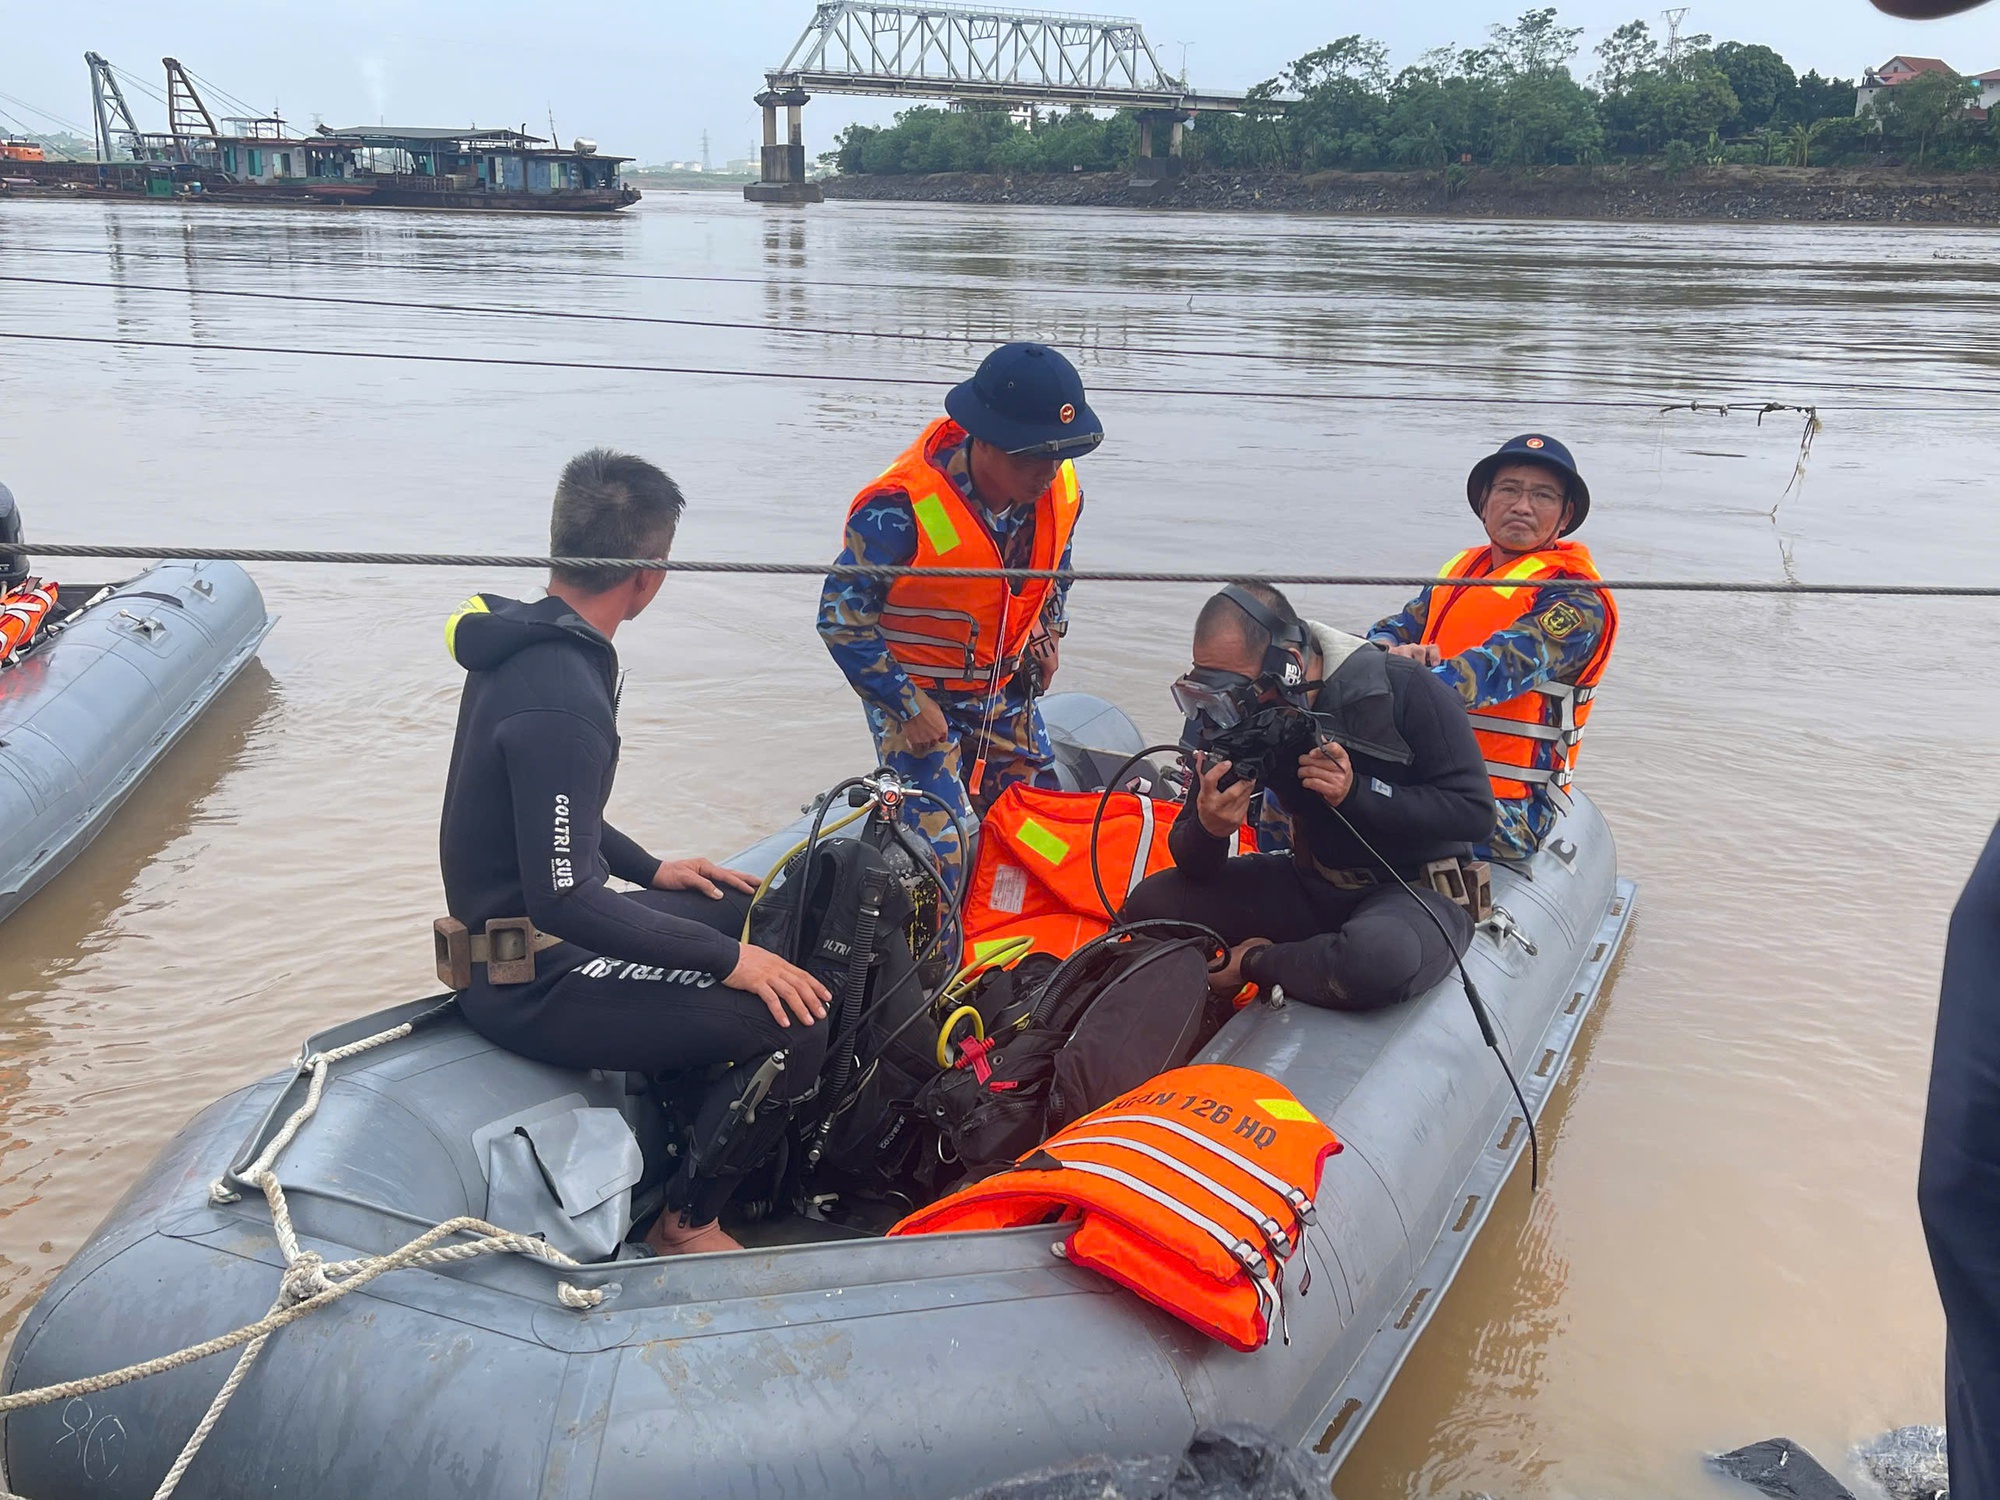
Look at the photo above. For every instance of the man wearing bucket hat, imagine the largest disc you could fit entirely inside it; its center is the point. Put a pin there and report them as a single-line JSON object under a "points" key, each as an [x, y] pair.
{"points": [[948, 669], [1526, 658]]}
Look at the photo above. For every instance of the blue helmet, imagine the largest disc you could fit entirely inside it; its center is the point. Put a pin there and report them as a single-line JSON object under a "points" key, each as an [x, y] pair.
{"points": [[1532, 448], [1027, 399]]}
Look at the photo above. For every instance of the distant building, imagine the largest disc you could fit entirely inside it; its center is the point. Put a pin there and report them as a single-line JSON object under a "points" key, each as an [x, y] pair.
{"points": [[1900, 70]]}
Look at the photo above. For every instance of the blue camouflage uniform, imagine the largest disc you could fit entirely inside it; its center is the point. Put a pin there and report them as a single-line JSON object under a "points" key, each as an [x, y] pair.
{"points": [[1553, 641], [1015, 742]]}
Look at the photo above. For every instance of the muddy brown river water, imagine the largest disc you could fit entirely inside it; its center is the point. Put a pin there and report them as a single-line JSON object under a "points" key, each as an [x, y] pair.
{"points": [[1726, 1244]]}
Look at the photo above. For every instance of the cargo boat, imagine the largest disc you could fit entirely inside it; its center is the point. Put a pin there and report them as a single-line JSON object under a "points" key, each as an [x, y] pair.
{"points": [[260, 159]]}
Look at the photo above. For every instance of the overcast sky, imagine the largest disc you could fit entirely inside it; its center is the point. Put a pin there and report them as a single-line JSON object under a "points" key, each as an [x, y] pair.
{"points": [[646, 79]]}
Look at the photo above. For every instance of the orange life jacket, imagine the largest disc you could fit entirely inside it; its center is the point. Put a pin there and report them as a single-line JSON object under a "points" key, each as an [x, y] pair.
{"points": [[22, 613], [1193, 1190], [951, 633], [1032, 875], [1553, 713]]}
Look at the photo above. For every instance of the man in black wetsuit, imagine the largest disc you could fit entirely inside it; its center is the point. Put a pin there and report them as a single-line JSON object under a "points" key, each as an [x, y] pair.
{"points": [[1394, 763], [647, 981], [1958, 1183]]}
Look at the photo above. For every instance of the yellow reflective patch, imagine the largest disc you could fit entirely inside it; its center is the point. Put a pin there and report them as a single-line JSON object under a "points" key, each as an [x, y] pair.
{"points": [[1287, 1109], [936, 521], [473, 606], [1034, 837], [983, 950], [1457, 566]]}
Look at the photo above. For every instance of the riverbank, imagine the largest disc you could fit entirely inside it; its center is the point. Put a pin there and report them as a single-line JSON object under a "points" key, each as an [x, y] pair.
{"points": [[1779, 194]]}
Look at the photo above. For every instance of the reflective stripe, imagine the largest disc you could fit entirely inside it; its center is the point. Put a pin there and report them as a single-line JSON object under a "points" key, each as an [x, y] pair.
{"points": [[1501, 771], [1455, 568], [1518, 727], [1143, 855], [1301, 1204], [948, 616], [1240, 1250], [1274, 1234], [936, 521]]}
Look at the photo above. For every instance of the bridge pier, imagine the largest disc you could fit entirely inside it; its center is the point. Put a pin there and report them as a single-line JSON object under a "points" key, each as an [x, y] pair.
{"points": [[1150, 169], [783, 175]]}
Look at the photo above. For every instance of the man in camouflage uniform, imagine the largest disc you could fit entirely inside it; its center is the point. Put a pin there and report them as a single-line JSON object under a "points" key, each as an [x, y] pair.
{"points": [[1528, 496], [989, 486]]}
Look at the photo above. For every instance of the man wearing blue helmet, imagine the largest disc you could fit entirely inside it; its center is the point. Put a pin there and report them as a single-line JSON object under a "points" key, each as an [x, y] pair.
{"points": [[948, 669], [1527, 659]]}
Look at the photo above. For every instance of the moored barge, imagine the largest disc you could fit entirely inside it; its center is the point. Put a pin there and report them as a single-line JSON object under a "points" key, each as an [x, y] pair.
{"points": [[261, 160]]}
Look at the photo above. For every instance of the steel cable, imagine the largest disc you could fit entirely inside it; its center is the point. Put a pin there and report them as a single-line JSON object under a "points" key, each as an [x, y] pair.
{"points": [[1013, 575]]}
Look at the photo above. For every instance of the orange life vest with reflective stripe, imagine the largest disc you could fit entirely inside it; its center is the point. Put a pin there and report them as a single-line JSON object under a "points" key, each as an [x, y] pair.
{"points": [[951, 632], [1193, 1190], [22, 613], [1553, 713], [1032, 877]]}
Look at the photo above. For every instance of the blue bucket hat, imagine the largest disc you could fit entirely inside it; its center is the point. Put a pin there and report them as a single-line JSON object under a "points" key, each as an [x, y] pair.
{"points": [[1027, 399], [1532, 448]]}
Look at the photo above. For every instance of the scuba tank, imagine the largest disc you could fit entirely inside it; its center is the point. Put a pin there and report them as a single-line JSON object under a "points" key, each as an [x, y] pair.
{"points": [[864, 915]]}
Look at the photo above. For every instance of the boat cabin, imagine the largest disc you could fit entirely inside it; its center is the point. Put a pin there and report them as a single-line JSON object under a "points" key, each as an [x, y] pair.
{"points": [[492, 161]]}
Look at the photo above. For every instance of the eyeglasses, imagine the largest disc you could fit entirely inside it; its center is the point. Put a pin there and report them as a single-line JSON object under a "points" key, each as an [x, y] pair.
{"points": [[1541, 494]]}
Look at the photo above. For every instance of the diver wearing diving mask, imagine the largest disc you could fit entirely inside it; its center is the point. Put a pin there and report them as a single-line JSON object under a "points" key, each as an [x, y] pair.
{"points": [[1360, 749]]}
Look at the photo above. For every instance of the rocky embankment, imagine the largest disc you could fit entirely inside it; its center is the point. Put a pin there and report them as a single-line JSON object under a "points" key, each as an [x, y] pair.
{"points": [[1777, 194]]}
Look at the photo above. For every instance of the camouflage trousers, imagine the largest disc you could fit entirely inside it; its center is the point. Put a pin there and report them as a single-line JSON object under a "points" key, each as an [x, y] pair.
{"points": [[1521, 825], [1016, 746]]}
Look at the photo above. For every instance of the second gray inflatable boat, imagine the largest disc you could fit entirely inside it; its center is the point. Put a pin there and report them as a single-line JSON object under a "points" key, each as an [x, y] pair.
{"points": [[91, 706], [829, 1366]]}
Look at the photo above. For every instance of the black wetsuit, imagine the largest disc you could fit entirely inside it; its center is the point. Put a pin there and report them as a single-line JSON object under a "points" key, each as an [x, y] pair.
{"points": [[1958, 1184], [636, 983], [1420, 794]]}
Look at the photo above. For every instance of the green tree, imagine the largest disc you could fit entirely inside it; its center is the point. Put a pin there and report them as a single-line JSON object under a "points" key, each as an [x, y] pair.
{"points": [[1624, 55], [1341, 104], [1536, 43], [1926, 108], [1763, 82], [1799, 144], [1818, 98], [1546, 117]]}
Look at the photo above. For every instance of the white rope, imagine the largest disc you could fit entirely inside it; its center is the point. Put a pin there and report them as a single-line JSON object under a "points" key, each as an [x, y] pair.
{"points": [[308, 1282]]}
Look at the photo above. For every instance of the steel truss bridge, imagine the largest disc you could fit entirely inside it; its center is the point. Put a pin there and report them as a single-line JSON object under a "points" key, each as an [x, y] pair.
{"points": [[917, 51]]}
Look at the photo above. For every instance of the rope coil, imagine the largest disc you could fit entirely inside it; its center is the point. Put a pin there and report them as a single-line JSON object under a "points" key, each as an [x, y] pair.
{"points": [[308, 1282]]}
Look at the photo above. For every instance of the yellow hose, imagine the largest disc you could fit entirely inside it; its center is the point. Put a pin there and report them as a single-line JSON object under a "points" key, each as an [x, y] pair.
{"points": [[952, 1020], [764, 885], [1004, 956]]}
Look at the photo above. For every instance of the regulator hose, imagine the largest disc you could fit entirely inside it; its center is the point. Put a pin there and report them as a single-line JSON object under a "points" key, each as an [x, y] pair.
{"points": [[1472, 995], [1070, 969], [1097, 819], [798, 927], [874, 890], [778, 867], [950, 906]]}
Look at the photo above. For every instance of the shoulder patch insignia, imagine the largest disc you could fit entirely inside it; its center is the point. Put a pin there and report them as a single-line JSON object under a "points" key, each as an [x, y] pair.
{"points": [[1560, 621]]}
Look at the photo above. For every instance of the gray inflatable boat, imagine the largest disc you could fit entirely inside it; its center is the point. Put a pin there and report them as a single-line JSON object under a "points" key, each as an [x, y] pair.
{"points": [[828, 1364], [105, 691]]}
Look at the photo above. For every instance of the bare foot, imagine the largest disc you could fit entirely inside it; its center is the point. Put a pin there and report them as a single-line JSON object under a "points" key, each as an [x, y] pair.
{"points": [[669, 1236]]}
